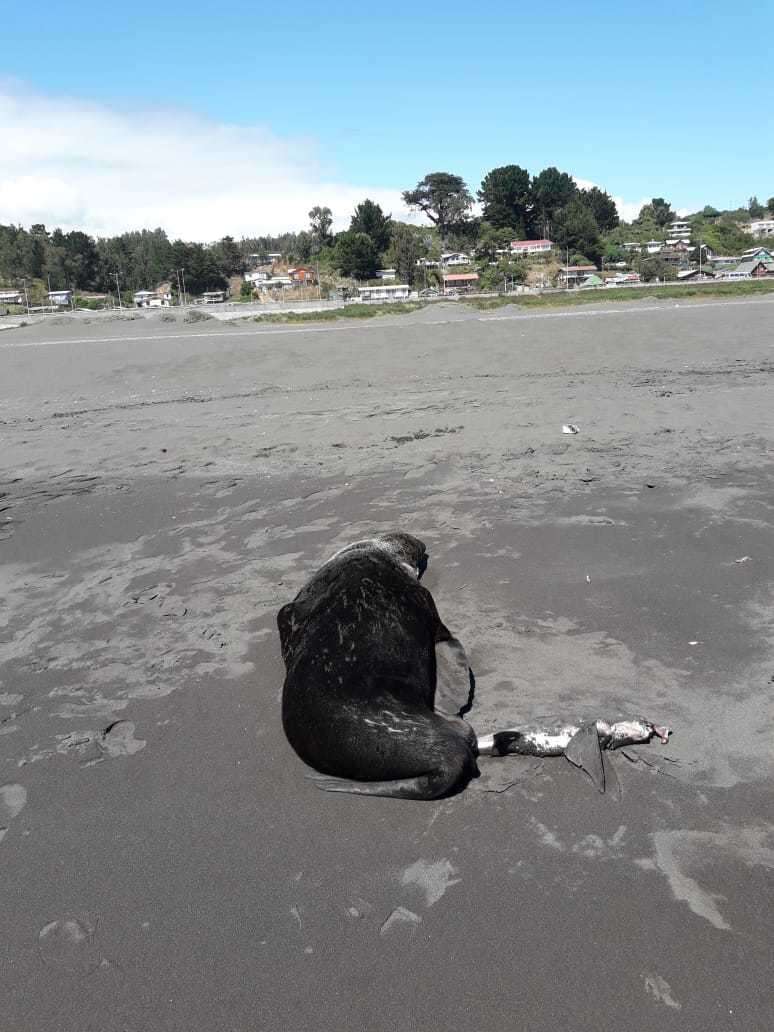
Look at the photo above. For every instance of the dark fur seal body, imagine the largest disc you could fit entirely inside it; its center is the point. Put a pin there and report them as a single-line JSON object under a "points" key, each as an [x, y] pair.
{"points": [[376, 685], [359, 701]]}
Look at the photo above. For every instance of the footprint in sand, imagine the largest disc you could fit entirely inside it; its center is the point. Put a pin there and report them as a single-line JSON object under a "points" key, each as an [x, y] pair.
{"points": [[427, 879], [401, 922], [70, 944], [91, 747], [118, 739], [661, 990], [13, 799]]}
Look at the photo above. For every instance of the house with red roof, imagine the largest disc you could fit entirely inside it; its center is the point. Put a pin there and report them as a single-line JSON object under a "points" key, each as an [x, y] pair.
{"points": [[464, 282], [521, 248], [303, 275]]}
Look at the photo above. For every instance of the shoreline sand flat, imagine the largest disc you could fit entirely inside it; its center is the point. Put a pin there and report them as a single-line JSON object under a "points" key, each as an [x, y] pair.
{"points": [[166, 864]]}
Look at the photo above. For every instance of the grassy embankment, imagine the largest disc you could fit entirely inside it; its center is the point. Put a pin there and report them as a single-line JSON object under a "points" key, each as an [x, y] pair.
{"points": [[559, 300], [741, 288]]}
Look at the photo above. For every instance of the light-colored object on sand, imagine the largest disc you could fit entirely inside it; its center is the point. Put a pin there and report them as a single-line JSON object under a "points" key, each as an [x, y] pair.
{"points": [[552, 740], [570, 428], [581, 743]]}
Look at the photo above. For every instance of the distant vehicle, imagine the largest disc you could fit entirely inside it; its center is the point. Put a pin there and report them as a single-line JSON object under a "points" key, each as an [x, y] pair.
{"points": [[428, 292]]}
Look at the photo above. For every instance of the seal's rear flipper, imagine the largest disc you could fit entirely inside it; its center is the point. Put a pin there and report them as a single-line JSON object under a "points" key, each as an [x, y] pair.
{"points": [[402, 788], [584, 751]]}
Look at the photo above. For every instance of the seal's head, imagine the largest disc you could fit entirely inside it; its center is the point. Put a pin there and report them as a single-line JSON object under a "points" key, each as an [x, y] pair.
{"points": [[409, 552]]}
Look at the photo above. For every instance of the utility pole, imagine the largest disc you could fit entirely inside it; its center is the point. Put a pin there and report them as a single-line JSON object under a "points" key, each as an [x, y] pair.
{"points": [[179, 289], [26, 298], [118, 291], [185, 294]]}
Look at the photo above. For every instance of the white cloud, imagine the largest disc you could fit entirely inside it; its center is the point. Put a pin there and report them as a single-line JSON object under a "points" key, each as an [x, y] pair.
{"points": [[81, 165], [629, 210]]}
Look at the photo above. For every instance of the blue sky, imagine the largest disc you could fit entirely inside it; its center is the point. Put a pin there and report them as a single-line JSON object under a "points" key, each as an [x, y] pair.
{"points": [[661, 98]]}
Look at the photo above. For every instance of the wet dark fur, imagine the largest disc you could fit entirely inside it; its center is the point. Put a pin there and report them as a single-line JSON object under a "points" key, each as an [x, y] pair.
{"points": [[358, 643]]}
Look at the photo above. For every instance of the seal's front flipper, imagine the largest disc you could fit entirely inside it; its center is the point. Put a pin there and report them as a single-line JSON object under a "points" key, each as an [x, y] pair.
{"points": [[584, 751], [286, 625], [454, 682], [401, 788]]}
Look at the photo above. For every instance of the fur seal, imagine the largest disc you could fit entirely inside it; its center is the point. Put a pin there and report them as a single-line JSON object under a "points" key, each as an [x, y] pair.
{"points": [[376, 684], [359, 699]]}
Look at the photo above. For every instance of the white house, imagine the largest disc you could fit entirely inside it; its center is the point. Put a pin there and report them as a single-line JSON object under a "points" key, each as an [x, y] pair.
{"points": [[60, 297], [679, 231], [256, 278], [455, 258], [386, 292], [276, 283], [653, 246], [152, 298], [11, 297], [524, 247], [386, 274], [762, 227]]}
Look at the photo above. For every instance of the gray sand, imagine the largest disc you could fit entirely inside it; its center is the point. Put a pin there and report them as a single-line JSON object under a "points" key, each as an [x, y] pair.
{"points": [[166, 865]]}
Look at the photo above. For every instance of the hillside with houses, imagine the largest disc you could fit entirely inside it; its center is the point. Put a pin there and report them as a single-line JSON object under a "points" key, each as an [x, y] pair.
{"points": [[520, 233]]}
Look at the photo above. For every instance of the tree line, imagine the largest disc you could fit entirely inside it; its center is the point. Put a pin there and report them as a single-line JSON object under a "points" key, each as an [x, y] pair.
{"points": [[584, 223], [130, 261]]}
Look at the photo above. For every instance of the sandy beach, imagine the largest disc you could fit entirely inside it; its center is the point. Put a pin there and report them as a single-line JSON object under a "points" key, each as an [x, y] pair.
{"points": [[166, 487]]}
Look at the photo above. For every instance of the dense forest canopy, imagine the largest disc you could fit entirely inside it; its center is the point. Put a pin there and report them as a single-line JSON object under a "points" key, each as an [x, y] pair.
{"points": [[584, 223]]}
